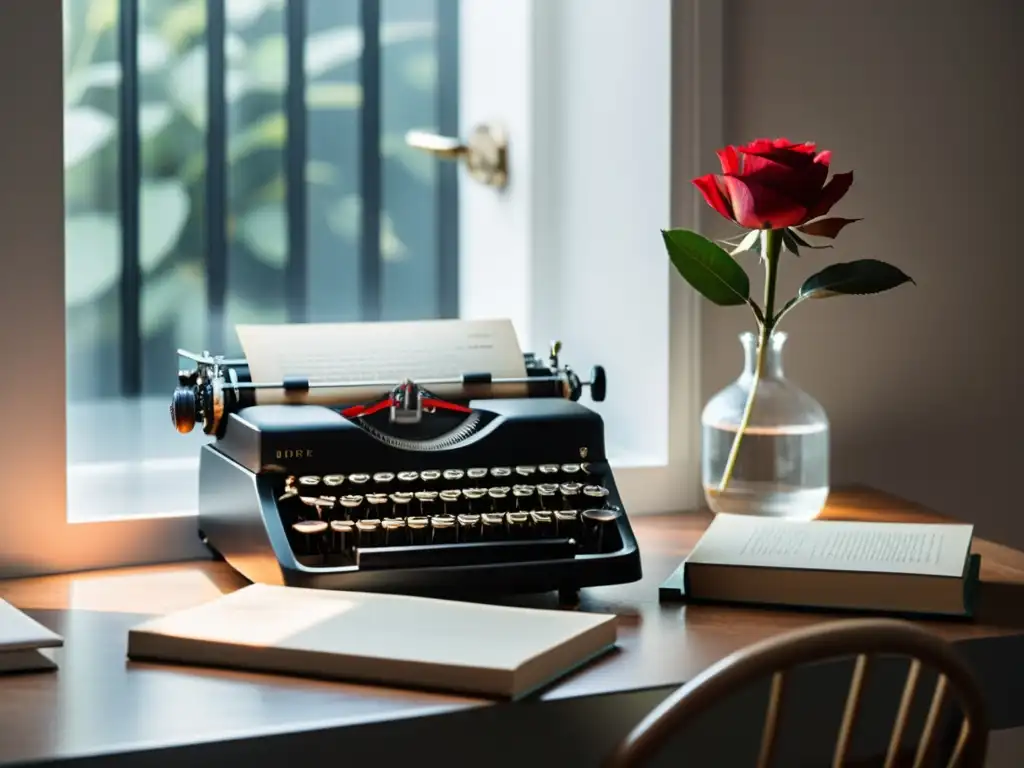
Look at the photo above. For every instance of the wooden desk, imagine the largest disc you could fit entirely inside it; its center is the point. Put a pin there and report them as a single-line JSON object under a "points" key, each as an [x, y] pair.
{"points": [[100, 704]]}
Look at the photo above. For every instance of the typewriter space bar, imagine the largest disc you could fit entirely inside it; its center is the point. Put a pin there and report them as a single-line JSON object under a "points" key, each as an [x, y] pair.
{"points": [[474, 553]]}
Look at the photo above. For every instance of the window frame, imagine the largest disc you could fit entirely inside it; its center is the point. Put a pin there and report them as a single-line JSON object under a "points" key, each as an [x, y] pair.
{"points": [[37, 536]]}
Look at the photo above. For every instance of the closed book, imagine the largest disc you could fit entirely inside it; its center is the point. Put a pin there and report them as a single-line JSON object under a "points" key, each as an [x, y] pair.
{"points": [[891, 568], [24, 642], [383, 639]]}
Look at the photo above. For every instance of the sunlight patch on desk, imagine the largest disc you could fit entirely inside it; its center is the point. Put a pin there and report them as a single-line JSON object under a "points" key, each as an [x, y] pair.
{"points": [[132, 591]]}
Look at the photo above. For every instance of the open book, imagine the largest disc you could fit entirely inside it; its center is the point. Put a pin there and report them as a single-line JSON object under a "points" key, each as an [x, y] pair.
{"points": [[898, 568], [416, 642], [22, 639]]}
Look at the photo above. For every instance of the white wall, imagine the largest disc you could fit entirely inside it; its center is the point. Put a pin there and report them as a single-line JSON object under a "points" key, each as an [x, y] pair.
{"points": [[922, 99]]}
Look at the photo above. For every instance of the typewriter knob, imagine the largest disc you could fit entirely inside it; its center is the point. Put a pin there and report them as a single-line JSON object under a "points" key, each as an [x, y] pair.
{"points": [[598, 384], [183, 409]]}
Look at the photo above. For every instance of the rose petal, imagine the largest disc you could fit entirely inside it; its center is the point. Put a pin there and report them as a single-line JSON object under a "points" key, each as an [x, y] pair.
{"points": [[825, 227], [803, 185], [757, 206], [788, 157], [709, 186], [831, 194], [730, 159], [824, 158], [767, 145]]}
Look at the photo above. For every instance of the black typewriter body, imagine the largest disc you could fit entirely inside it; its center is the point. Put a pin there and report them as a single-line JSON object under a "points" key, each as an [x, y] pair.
{"points": [[478, 497]]}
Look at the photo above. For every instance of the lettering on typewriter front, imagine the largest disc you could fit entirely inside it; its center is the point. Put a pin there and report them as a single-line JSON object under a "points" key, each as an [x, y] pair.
{"points": [[293, 453]]}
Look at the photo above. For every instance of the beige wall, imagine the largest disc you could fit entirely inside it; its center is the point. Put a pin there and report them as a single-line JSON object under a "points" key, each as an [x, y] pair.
{"points": [[922, 99]]}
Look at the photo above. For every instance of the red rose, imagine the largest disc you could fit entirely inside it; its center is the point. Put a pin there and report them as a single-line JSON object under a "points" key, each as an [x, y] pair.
{"points": [[773, 184]]}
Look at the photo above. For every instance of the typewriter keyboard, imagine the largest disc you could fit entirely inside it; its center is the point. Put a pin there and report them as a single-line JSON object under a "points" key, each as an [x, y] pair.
{"points": [[443, 517]]}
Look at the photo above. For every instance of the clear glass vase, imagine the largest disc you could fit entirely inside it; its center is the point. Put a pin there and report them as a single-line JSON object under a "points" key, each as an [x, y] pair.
{"points": [[782, 467]]}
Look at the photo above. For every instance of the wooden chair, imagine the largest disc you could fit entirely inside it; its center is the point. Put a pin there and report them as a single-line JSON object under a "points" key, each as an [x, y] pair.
{"points": [[860, 638]]}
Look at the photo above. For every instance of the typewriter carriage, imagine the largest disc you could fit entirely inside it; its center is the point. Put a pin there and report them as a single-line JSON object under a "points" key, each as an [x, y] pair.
{"points": [[218, 386]]}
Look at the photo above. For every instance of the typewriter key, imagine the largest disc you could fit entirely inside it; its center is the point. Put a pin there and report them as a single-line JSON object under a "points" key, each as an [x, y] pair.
{"points": [[585, 468], [395, 532], [523, 496], [453, 475], [595, 526], [546, 495], [548, 470], [401, 503], [289, 493], [419, 530], [374, 502], [314, 503], [571, 494], [595, 492], [571, 469], [309, 484], [408, 477], [469, 527], [476, 473], [473, 499], [443, 529], [344, 534], [543, 524], [525, 471], [430, 475], [382, 479], [310, 536], [333, 480], [350, 504], [499, 498], [518, 525], [428, 501], [359, 478], [492, 526], [450, 500], [500, 472], [567, 524], [369, 532]]}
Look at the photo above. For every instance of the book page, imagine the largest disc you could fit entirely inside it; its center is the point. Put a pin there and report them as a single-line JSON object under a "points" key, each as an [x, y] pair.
{"points": [[382, 355], [19, 631], [909, 548]]}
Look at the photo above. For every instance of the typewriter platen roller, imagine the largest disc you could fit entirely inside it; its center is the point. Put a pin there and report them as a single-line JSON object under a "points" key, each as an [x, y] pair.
{"points": [[505, 488]]}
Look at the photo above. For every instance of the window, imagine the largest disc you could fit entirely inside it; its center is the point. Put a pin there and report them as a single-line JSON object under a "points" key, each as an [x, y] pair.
{"points": [[603, 109], [226, 161]]}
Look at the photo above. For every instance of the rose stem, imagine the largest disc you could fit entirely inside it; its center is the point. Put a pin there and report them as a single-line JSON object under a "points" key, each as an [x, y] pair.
{"points": [[771, 244]]}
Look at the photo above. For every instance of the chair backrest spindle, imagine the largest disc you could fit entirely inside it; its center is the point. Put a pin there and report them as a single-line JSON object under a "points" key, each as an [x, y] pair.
{"points": [[860, 638]]}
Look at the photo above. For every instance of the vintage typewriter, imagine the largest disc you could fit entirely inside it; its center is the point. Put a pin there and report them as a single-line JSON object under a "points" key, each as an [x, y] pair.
{"points": [[503, 488]]}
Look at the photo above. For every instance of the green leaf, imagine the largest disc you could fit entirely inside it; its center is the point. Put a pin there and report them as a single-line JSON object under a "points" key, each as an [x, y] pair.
{"points": [[851, 278], [707, 268], [825, 227], [750, 242]]}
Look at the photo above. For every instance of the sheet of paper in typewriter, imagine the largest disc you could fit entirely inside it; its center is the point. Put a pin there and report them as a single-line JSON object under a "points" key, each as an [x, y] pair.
{"points": [[380, 352]]}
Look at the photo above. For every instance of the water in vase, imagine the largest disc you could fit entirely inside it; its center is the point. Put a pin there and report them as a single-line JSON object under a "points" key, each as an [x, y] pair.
{"points": [[782, 467], [780, 471]]}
